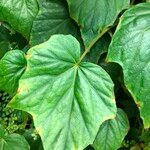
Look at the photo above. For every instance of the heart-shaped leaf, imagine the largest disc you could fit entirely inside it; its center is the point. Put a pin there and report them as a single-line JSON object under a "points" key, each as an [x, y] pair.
{"points": [[130, 47], [67, 99]]}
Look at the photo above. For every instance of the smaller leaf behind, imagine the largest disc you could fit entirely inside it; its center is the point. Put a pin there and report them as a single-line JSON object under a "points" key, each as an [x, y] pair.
{"points": [[12, 66], [12, 141], [112, 132]]}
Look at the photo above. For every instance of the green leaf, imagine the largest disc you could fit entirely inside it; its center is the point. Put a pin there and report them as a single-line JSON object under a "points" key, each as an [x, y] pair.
{"points": [[19, 14], [112, 132], [67, 99], [12, 141], [95, 16], [52, 18], [12, 66], [130, 48]]}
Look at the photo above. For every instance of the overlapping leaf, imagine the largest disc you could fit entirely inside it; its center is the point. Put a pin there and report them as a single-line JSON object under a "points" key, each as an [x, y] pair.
{"points": [[95, 16], [12, 65], [112, 132], [130, 48], [67, 99]]}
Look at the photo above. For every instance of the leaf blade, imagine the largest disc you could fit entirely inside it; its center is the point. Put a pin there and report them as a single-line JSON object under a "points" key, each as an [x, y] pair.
{"points": [[64, 97], [112, 132], [12, 66]]}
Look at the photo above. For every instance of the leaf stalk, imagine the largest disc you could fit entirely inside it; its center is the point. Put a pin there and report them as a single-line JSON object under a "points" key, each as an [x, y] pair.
{"points": [[92, 44]]}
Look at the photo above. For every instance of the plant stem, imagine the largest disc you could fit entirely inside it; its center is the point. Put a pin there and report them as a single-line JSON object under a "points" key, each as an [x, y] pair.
{"points": [[92, 44]]}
